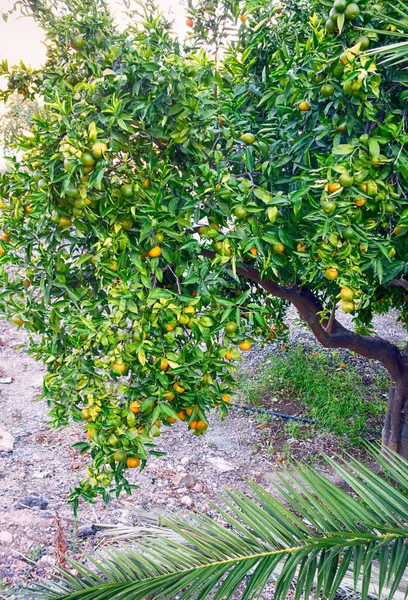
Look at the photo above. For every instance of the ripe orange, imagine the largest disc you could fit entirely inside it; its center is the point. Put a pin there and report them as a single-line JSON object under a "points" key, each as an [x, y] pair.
{"points": [[119, 368], [154, 252], [334, 186], [228, 355], [171, 420], [243, 18], [331, 274], [163, 363], [146, 183], [178, 388], [245, 345], [253, 251], [134, 407], [5, 237], [169, 327], [342, 127], [193, 424], [169, 396], [133, 462], [181, 415], [301, 247], [315, 354], [201, 426], [190, 410], [342, 366], [189, 22], [226, 397], [360, 201], [304, 106], [90, 434], [2, 251]]}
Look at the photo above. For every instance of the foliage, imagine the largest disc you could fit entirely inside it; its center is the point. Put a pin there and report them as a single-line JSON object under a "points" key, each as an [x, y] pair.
{"points": [[164, 187], [321, 538], [334, 393], [17, 118]]}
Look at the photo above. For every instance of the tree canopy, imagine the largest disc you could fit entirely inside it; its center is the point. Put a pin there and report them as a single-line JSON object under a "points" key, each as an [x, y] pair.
{"points": [[174, 198]]}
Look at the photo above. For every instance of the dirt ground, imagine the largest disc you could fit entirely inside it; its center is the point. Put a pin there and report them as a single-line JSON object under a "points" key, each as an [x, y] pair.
{"points": [[43, 465]]}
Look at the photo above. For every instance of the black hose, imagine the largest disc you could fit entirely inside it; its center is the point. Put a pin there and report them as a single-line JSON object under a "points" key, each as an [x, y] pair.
{"points": [[252, 409]]}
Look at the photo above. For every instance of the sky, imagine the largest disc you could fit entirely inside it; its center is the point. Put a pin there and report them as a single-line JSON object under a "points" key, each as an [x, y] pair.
{"points": [[20, 38]]}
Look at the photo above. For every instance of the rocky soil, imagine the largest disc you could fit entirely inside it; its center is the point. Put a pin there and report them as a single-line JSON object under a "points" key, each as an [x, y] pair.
{"points": [[41, 467]]}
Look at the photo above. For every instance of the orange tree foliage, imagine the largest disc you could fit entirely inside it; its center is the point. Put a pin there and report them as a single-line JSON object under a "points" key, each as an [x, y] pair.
{"points": [[171, 200]]}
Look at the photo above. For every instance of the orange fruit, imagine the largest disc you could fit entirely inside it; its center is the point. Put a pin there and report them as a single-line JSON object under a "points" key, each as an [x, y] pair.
{"points": [[228, 355], [360, 201], [301, 247], [189, 22], [169, 327], [315, 354], [134, 407], [331, 274], [5, 237], [154, 252], [253, 251], [342, 366], [178, 388], [190, 410], [133, 462], [2, 251], [201, 426], [119, 456], [193, 424], [146, 183], [243, 18], [181, 415], [189, 310], [348, 307], [171, 420], [245, 345], [163, 363], [226, 397], [119, 368], [17, 320], [278, 248], [90, 434], [334, 186], [304, 106], [346, 294], [169, 396]]}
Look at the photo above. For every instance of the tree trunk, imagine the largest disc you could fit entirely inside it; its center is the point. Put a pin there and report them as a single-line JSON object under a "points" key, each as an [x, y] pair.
{"points": [[395, 431]]}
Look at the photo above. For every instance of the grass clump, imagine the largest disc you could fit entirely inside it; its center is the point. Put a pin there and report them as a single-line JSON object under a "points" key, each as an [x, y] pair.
{"points": [[332, 393]]}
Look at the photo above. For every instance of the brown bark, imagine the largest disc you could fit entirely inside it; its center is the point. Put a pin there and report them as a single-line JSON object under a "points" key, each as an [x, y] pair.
{"points": [[332, 334]]}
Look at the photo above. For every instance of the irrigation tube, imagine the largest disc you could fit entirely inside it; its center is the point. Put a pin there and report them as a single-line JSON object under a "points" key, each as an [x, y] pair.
{"points": [[252, 409]]}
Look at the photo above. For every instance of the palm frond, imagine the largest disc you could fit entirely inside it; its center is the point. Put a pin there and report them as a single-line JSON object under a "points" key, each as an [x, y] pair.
{"points": [[320, 538]]}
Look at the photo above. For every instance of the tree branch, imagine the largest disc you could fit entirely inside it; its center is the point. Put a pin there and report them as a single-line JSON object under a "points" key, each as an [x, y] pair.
{"points": [[337, 336], [399, 283]]}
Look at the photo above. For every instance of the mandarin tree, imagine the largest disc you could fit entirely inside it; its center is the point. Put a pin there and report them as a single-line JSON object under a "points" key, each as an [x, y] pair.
{"points": [[170, 201]]}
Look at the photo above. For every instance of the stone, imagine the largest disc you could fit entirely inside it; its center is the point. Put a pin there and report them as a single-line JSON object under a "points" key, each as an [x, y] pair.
{"points": [[198, 487], [32, 502], [256, 474], [86, 531], [184, 461], [179, 480], [5, 538], [221, 464], [6, 441], [186, 501]]}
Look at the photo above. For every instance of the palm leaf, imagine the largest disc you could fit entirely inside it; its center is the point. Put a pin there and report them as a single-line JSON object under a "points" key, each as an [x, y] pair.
{"points": [[322, 538]]}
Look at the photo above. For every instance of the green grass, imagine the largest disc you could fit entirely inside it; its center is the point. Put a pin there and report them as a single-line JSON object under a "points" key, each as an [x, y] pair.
{"points": [[338, 399]]}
